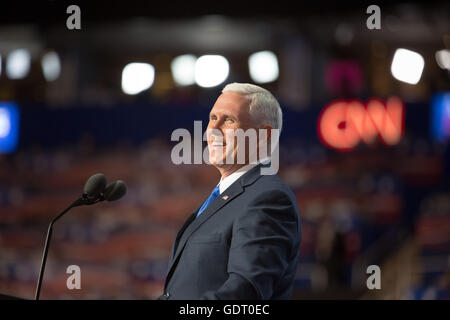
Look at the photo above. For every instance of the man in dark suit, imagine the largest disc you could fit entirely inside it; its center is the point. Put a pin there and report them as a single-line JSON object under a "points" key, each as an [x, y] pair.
{"points": [[243, 241]]}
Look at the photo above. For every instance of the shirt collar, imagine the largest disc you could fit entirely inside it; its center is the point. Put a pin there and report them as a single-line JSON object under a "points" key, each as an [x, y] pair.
{"points": [[229, 180]]}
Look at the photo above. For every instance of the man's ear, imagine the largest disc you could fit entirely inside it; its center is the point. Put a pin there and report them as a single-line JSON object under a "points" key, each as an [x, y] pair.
{"points": [[269, 131]]}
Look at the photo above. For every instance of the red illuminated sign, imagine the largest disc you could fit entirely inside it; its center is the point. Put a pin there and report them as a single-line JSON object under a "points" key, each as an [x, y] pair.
{"points": [[344, 124]]}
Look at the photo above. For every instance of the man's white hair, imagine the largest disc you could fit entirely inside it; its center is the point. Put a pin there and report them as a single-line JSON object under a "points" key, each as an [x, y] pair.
{"points": [[264, 108]]}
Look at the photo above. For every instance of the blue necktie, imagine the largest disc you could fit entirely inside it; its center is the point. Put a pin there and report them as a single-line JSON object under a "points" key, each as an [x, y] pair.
{"points": [[211, 198]]}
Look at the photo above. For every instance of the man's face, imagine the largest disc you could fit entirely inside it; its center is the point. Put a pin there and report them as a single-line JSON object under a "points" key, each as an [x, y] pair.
{"points": [[230, 112]]}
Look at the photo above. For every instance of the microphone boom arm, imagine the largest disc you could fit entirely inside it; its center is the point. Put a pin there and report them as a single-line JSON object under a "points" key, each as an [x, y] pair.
{"points": [[84, 200], [95, 190]]}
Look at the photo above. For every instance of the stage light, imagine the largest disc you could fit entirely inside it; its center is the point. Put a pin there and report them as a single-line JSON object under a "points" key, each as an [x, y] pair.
{"points": [[440, 116], [344, 34], [183, 69], [18, 64], [407, 66], [211, 70], [9, 127], [137, 77], [5, 123], [51, 66], [263, 66], [443, 59]]}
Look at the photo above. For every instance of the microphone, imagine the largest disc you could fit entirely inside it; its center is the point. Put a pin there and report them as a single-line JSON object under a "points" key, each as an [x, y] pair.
{"points": [[115, 190], [95, 185], [95, 190]]}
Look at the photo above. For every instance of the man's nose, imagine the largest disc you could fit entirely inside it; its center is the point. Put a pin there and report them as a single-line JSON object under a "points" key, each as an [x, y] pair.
{"points": [[215, 125], [215, 133]]}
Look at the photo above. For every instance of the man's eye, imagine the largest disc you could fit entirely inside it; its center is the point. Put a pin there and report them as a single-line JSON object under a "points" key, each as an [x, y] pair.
{"points": [[230, 120]]}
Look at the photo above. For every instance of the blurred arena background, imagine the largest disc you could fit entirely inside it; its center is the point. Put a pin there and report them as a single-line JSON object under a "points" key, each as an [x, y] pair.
{"points": [[71, 105]]}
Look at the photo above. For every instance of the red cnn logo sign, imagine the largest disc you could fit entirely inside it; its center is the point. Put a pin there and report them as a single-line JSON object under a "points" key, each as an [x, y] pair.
{"points": [[344, 124]]}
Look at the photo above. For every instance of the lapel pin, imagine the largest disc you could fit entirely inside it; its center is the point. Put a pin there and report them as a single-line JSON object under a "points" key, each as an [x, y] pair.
{"points": [[225, 197]]}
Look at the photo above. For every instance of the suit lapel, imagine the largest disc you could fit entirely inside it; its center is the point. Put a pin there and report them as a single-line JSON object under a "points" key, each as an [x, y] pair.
{"points": [[193, 223], [232, 192], [180, 233]]}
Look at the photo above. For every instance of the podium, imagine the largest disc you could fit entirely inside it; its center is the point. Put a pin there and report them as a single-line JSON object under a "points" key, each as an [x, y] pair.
{"points": [[7, 297]]}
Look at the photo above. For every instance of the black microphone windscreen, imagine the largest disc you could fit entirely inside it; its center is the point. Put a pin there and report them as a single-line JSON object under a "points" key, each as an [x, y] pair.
{"points": [[95, 185], [115, 190]]}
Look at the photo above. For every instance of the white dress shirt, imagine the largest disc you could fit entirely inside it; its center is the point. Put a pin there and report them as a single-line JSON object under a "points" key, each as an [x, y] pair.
{"points": [[228, 181]]}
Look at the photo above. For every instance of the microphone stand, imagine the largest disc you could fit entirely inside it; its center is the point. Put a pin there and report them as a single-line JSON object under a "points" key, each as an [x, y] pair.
{"points": [[84, 200]]}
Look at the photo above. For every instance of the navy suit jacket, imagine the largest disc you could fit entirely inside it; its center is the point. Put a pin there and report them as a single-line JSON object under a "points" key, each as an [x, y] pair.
{"points": [[245, 245]]}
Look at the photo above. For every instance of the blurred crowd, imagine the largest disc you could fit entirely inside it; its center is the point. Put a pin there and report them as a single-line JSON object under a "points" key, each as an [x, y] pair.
{"points": [[357, 208]]}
